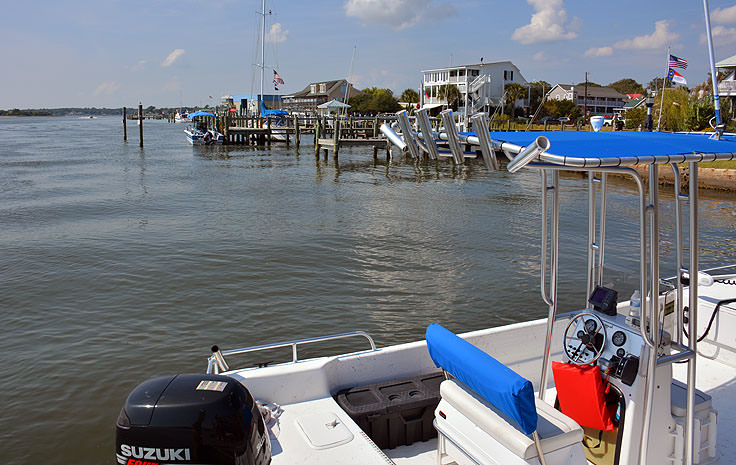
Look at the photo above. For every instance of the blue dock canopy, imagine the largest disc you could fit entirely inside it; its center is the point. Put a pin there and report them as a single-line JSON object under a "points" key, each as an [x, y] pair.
{"points": [[489, 378], [620, 148]]}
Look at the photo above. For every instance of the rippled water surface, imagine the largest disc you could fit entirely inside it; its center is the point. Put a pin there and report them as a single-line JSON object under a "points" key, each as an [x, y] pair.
{"points": [[118, 264]]}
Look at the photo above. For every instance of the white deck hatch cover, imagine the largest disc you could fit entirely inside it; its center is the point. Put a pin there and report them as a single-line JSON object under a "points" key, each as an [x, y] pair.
{"points": [[324, 430]]}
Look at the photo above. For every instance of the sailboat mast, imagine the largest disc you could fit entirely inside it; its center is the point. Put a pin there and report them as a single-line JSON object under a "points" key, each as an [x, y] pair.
{"points": [[263, 49], [713, 75]]}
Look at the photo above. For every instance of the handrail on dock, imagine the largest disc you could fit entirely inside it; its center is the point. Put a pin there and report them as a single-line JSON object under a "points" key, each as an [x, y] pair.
{"points": [[216, 362]]}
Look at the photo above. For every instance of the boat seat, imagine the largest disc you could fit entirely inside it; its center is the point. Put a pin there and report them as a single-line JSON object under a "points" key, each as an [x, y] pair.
{"points": [[556, 430], [488, 414]]}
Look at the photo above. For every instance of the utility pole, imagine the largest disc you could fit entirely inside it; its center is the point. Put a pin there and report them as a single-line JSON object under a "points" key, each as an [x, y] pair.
{"points": [[585, 101]]}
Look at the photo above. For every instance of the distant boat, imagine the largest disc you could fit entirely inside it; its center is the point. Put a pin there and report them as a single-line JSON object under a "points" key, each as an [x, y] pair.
{"points": [[181, 117], [199, 133]]}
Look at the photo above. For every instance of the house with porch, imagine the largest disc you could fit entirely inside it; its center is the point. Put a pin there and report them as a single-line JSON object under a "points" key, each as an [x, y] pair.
{"points": [[317, 93], [600, 100], [727, 86], [481, 85]]}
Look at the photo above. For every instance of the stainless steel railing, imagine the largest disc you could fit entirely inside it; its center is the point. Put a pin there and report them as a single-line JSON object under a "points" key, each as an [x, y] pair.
{"points": [[216, 362]]}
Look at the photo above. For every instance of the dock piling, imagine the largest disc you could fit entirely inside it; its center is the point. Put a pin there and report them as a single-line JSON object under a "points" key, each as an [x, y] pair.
{"points": [[140, 123], [125, 125]]}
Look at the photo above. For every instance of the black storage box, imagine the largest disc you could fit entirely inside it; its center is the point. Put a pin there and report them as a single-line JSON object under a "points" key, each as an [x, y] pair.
{"points": [[395, 413]]}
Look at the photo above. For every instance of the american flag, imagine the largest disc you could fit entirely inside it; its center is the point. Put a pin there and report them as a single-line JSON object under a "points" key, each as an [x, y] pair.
{"points": [[276, 78], [676, 62]]}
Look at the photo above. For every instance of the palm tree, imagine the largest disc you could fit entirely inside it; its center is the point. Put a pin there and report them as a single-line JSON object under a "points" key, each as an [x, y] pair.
{"points": [[451, 94], [514, 90], [409, 96]]}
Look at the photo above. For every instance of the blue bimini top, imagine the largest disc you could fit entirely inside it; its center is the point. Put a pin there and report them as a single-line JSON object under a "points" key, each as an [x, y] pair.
{"points": [[200, 113], [621, 148], [489, 378]]}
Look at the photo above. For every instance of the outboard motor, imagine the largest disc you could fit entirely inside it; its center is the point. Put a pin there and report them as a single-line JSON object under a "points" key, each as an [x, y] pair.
{"points": [[191, 419]]}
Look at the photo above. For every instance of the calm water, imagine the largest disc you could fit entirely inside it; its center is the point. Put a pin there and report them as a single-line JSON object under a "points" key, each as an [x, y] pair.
{"points": [[118, 264]]}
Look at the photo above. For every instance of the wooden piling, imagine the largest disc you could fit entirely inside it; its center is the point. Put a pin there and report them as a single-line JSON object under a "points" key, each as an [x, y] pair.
{"points": [[336, 137], [317, 133], [140, 123], [296, 131], [125, 125]]}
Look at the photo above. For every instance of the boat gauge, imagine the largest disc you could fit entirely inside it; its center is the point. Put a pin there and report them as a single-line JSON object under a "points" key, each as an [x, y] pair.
{"points": [[619, 338], [591, 326]]}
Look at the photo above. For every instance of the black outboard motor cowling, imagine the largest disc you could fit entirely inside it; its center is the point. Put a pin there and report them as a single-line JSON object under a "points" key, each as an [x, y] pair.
{"points": [[191, 419]]}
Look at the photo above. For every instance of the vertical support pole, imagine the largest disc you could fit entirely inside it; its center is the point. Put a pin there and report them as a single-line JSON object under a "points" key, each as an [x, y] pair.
{"points": [[592, 246], [140, 123], [297, 132], [316, 137], [692, 322], [554, 249], [268, 126], [678, 255], [226, 128], [375, 127], [336, 138], [125, 125]]}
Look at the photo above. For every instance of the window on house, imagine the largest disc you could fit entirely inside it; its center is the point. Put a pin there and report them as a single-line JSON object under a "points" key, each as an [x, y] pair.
{"points": [[453, 73], [461, 73], [322, 88], [313, 88]]}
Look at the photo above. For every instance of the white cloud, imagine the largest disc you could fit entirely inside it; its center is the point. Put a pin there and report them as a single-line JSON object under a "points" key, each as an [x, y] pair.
{"points": [[724, 15], [173, 57], [548, 23], [654, 41], [599, 52], [276, 34], [398, 14], [106, 88], [722, 35], [139, 66], [539, 56]]}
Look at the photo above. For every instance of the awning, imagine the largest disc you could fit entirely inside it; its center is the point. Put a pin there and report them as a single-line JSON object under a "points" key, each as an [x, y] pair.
{"points": [[623, 148], [429, 106], [333, 105], [200, 113]]}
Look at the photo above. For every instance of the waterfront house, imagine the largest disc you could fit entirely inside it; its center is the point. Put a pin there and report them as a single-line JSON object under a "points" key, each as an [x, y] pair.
{"points": [[481, 85], [317, 93], [727, 86], [601, 100]]}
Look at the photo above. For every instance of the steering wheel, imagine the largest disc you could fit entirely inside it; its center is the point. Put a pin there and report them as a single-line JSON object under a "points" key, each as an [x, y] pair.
{"points": [[584, 339]]}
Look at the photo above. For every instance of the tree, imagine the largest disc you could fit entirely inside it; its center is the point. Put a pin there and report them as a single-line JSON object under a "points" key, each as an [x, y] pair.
{"points": [[514, 91], [562, 108], [635, 117], [409, 96], [627, 86], [656, 84], [451, 94], [374, 100], [590, 84]]}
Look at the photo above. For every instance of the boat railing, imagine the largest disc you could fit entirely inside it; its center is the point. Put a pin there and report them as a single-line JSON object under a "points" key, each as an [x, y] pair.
{"points": [[216, 362]]}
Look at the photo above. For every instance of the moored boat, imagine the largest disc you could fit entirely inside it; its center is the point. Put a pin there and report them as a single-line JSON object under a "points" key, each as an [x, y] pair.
{"points": [[202, 133]]}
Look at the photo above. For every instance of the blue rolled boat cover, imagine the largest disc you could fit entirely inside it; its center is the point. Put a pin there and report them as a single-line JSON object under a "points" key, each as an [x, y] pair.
{"points": [[489, 378]]}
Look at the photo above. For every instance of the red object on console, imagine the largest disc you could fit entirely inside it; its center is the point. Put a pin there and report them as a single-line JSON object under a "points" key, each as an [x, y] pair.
{"points": [[580, 392]]}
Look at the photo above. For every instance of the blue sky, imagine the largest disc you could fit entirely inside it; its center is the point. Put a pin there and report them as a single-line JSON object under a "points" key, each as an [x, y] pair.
{"points": [[114, 53]]}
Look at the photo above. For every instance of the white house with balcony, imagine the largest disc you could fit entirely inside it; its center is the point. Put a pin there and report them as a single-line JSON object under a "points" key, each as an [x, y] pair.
{"points": [[727, 86], [600, 100], [481, 85]]}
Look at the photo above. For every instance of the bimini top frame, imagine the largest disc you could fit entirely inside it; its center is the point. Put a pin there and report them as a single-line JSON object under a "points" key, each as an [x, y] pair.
{"points": [[599, 154]]}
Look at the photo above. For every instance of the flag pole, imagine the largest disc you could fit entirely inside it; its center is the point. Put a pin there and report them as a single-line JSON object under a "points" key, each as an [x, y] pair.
{"points": [[664, 83]]}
